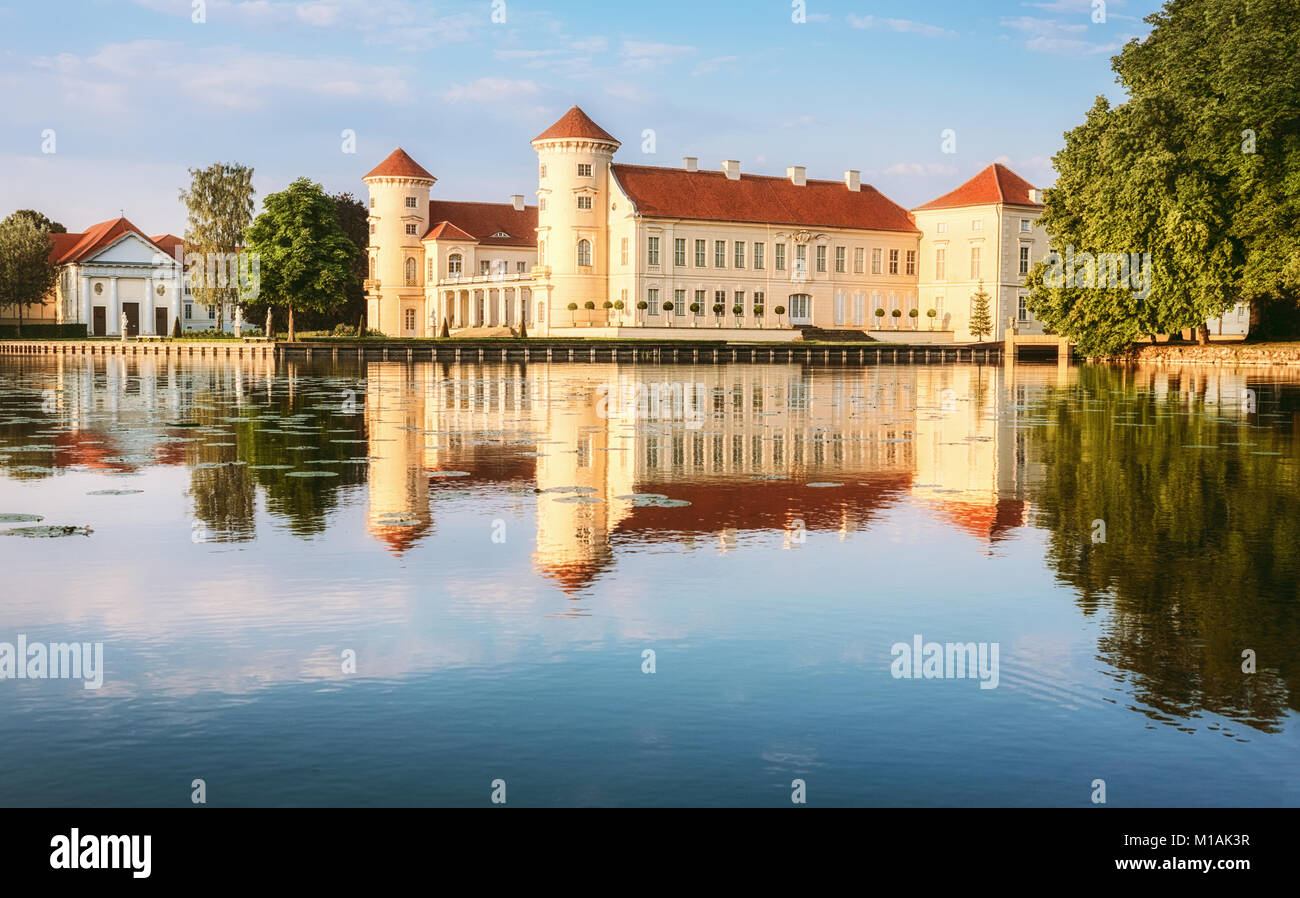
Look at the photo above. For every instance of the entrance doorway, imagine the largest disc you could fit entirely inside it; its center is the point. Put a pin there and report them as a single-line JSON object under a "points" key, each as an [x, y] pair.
{"points": [[99, 322], [160, 322], [132, 312], [800, 308]]}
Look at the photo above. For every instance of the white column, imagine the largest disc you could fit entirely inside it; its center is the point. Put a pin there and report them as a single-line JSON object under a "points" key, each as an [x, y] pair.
{"points": [[114, 324], [147, 325], [87, 315]]}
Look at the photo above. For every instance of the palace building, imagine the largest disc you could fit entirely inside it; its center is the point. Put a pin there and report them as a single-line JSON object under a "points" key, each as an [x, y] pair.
{"points": [[620, 250]]}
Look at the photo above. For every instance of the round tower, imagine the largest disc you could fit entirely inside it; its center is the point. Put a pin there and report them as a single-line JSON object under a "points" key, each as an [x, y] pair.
{"points": [[573, 157], [399, 219]]}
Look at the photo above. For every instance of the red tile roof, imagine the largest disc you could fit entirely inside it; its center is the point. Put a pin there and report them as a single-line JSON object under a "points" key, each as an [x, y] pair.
{"points": [[575, 123], [482, 220], [399, 165], [169, 242], [711, 196], [68, 248], [445, 230], [995, 184]]}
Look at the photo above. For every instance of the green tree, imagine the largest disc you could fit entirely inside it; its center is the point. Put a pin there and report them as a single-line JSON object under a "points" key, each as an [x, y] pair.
{"points": [[1200, 168], [41, 221], [353, 217], [219, 205], [306, 260], [26, 272], [981, 318]]}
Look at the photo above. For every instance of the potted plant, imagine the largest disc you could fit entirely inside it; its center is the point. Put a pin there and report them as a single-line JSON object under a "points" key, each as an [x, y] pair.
{"points": [[573, 317], [642, 305], [880, 313], [780, 310], [758, 313], [717, 311], [913, 313], [668, 311], [695, 311], [618, 307], [896, 314], [931, 314], [738, 310]]}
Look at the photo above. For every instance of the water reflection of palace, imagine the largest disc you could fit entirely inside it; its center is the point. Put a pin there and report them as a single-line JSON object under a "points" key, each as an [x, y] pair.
{"points": [[752, 448]]}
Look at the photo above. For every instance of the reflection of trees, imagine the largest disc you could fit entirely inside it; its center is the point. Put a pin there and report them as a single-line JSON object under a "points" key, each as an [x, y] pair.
{"points": [[224, 496], [1201, 554]]}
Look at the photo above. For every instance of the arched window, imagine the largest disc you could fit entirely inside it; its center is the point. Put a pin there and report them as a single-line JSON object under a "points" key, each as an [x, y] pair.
{"points": [[411, 270], [584, 253], [453, 264]]}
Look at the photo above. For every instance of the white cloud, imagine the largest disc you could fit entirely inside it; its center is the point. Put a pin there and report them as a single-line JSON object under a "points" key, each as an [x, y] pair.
{"points": [[903, 26], [491, 90], [709, 66], [918, 169], [643, 55]]}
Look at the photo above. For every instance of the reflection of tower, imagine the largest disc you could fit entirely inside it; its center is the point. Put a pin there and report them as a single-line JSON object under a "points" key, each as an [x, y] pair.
{"points": [[573, 535], [399, 489]]}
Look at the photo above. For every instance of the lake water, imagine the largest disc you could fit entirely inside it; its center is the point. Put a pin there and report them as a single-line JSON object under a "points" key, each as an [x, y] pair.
{"points": [[390, 583]]}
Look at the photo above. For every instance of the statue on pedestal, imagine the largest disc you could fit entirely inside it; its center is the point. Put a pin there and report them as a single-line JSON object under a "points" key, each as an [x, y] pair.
{"points": [[239, 321], [124, 326]]}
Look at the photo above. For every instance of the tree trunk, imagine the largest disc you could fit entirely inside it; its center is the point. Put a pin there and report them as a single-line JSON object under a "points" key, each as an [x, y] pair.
{"points": [[1203, 335], [20, 321], [291, 323]]}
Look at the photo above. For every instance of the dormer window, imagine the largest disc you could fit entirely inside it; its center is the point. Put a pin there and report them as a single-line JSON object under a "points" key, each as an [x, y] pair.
{"points": [[500, 235]]}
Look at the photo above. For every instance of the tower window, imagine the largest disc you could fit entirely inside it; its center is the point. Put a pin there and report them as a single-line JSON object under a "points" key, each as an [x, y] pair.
{"points": [[584, 253], [542, 171], [584, 169], [412, 230], [584, 202], [411, 202]]}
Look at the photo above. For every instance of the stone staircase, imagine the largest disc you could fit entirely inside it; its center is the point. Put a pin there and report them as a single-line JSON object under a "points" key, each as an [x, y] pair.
{"points": [[809, 332]]}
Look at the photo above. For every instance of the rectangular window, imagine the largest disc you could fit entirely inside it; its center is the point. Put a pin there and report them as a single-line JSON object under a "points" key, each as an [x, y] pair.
{"points": [[941, 264], [584, 202], [410, 319], [699, 253], [759, 262], [780, 257], [911, 261], [893, 261], [875, 260], [1024, 260], [1022, 308], [800, 260], [1024, 225], [429, 277], [212, 313], [410, 202], [758, 299], [719, 254], [859, 260], [652, 252], [411, 230], [484, 267], [821, 258], [739, 254], [739, 296], [652, 300], [699, 301], [189, 310], [720, 299], [839, 259], [623, 251], [859, 310], [974, 263], [541, 204], [584, 169], [679, 252], [542, 171], [521, 267], [679, 302], [977, 224], [941, 227]]}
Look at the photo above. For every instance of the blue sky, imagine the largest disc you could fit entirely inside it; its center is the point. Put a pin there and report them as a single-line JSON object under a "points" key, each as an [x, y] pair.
{"points": [[136, 92]]}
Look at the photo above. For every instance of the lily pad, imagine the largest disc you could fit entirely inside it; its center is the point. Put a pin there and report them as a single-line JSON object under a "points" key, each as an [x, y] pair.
{"points": [[47, 531], [113, 492], [825, 484], [589, 500], [446, 473], [18, 518], [312, 474]]}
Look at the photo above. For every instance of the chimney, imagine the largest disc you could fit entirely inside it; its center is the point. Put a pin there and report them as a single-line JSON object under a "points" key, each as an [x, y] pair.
{"points": [[691, 163], [798, 175], [731, 168], [517, 200], [853, 180]]}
